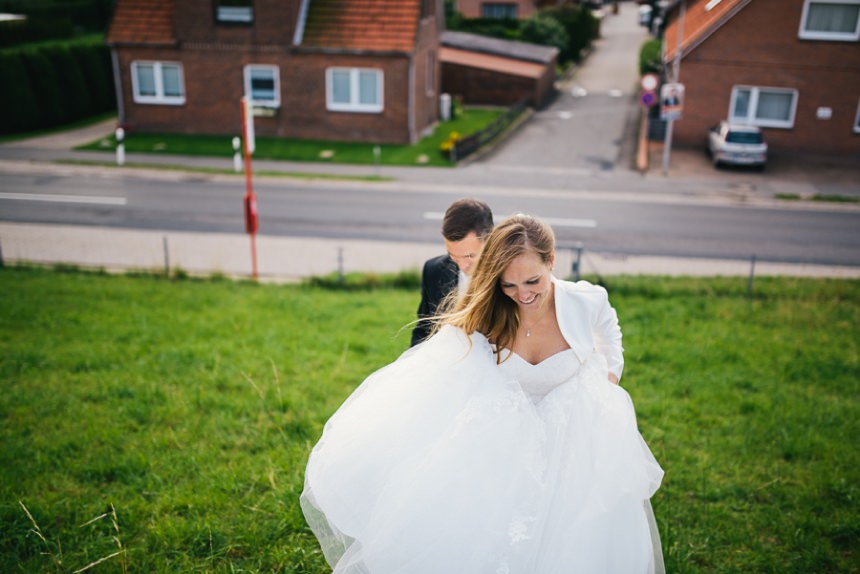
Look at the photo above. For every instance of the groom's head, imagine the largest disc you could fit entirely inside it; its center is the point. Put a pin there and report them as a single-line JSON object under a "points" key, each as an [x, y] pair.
{"points": [[465, 227]]}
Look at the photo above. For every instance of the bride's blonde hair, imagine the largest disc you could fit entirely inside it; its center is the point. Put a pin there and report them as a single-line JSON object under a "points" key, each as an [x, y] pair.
{"points": [[484, 307]]}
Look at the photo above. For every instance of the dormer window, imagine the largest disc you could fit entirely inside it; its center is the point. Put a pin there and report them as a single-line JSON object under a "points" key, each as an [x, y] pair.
{"points": [[234, 11]]}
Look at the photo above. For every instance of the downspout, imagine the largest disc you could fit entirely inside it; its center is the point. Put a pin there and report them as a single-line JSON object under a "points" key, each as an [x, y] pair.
{"points": [[411, 98], [300, 25], [117, 86]]}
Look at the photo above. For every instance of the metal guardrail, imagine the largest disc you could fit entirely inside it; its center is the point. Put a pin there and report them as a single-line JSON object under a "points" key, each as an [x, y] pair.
{"points": [[468, 145]]}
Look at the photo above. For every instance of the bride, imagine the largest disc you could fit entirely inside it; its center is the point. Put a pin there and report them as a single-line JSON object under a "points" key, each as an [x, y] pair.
{"points": [[501, 445]]}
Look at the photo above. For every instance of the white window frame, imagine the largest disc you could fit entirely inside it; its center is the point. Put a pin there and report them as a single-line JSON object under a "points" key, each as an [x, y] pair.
{"points": [[234, 14], [831, 36], [354, 105], [750, 119], [857, 119], [276, 73], [159, 97]]}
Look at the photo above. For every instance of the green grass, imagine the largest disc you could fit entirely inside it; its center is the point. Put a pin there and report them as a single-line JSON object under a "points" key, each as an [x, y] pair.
{"points": [[467, 122], [188, 408]]}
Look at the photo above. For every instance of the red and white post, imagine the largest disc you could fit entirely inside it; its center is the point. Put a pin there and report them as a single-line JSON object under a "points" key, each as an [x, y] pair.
{"points": [[250, 200]]}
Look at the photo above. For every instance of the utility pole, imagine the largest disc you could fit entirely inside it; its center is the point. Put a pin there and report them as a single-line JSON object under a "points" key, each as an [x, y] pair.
{"points": [[676, 77]]}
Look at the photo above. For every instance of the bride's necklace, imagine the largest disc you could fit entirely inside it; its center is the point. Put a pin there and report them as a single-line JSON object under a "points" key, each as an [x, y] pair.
{"points": [[534, 324]]}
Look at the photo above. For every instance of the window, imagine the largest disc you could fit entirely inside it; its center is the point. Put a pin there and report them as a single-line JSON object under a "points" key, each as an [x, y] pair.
{"points": [[766, 107], [830, 20], [857, 120], [234, 11], [263, 84], [354, 90], [157, 83], [497, 10]]}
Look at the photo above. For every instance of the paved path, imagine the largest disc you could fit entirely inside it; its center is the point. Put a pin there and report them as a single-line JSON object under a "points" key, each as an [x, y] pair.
{"points": [[586, 128]]}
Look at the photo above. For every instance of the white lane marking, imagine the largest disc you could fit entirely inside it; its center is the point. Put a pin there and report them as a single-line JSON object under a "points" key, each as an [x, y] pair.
{"points": [[65, 198], [579, 92], [553, 221], [615, 93], [565, 115]]}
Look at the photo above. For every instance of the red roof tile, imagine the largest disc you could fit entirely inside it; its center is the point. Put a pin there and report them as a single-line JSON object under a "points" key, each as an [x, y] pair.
{"points": [[142, 22], [362, 24]]}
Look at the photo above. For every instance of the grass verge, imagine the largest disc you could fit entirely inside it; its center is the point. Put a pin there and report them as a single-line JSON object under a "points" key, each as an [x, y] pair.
{"points": [[425, 152], [164, 425]]}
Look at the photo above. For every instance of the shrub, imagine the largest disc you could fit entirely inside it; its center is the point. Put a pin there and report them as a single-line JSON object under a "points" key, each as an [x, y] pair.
{"points": [[95, 65], [545, 30], [52, 19], [578, 22], [50, 86], [74, 88], [18, 109], [649, 57], [45, 86]]}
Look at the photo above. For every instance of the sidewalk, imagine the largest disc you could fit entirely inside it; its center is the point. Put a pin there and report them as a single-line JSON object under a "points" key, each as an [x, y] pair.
{"points": [[290, 259], [804, 177]]}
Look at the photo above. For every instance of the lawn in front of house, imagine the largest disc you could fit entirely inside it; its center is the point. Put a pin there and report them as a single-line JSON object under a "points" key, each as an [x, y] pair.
{"points": [[425, 152]]}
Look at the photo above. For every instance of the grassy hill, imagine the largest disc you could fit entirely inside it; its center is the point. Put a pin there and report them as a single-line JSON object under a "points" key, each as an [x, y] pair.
{"points": [[163, 426]]}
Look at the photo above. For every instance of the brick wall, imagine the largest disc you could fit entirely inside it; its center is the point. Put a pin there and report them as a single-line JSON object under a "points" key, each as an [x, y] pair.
{"points": [[214, 86], [426, 97], [485, 87], [274, 23]]}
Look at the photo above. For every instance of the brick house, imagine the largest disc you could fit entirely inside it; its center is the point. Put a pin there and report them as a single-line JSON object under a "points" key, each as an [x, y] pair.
{"points": [[349, 70], [791, 67]]}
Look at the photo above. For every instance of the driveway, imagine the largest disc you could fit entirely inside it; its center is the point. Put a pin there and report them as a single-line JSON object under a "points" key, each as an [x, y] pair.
{"points": [[590, 126]]}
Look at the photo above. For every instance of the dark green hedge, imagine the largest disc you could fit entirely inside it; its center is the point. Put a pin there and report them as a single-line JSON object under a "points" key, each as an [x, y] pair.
{"points": [[51, 86]]}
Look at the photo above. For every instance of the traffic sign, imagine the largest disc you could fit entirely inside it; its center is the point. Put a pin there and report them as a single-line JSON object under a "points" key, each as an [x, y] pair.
{"points": [[648, 99], [649, 82]]}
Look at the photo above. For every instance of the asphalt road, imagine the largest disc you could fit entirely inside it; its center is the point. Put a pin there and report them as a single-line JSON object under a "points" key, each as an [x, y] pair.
{"points": [[646, 224]]}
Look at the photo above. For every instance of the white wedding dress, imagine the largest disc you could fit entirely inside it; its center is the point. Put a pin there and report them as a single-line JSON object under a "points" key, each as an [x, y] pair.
{"points": [[444, 462]]}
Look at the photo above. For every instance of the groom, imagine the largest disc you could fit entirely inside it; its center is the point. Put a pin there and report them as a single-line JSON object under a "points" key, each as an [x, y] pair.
{"points": [[466, 224]]}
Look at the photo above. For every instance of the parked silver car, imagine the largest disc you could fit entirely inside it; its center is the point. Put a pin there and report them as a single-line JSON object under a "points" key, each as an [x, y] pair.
{"points": [[737, 144]]}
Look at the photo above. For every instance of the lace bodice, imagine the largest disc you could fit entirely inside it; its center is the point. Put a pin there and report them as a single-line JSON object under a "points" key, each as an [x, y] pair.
{"points": [[538, 380]]}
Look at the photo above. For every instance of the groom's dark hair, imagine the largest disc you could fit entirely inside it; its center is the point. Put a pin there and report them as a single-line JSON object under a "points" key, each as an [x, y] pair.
{"points": [[467, 215]]}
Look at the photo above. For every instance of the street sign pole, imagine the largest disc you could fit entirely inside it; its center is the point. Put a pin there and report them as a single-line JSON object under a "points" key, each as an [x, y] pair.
{"points": [[676, 73]]}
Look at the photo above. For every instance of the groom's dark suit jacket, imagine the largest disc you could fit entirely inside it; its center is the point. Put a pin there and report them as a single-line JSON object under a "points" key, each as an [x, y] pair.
{"points": [[437, 280]]}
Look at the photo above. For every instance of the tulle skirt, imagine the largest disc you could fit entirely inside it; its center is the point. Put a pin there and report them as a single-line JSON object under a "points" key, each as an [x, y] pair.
{"points": [[440, 464]]}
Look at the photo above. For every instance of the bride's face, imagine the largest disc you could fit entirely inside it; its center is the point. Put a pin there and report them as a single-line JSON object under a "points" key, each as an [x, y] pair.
{"points": [[527, 280]]}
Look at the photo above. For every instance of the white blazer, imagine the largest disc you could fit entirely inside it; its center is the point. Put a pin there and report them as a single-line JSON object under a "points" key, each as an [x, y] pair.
{"points": [[588, 322]]}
